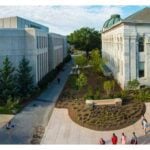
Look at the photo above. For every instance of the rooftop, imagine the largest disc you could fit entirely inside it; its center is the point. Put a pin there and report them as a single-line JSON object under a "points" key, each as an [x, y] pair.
{"points": [[115, 18], [140, 17]]}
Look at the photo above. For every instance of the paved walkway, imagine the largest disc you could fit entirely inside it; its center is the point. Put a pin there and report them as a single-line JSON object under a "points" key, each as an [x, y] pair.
{"points": [[37, 113], [62, 130], [4, 119]]}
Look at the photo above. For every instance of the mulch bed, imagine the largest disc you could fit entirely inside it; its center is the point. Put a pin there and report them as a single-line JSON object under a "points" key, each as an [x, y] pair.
{"points": [[101, 117]]}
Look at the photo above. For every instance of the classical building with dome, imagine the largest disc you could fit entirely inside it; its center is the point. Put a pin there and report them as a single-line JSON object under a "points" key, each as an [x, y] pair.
{"points": [[126, 47]]}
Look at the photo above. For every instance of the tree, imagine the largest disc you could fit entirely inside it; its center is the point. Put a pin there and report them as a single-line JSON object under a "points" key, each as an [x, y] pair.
{"points": [[85, 39], [7, 80], [24, 78], [96, 61], [133, 85], [80, 60], [108, 87], [81, 81]]}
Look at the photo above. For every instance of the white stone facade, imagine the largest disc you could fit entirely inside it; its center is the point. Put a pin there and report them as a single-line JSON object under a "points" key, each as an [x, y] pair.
{"points": [[121, 47]]}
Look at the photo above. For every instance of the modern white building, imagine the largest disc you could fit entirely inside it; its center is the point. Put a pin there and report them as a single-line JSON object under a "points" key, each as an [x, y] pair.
{"points": [[126, 47], [20, 37], [57, 49]]}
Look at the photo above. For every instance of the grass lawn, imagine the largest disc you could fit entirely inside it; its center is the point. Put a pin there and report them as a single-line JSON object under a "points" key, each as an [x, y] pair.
{"points": [[101, 117]]}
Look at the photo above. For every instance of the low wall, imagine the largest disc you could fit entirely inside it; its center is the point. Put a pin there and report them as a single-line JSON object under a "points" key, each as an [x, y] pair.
{"points": [[115, 101]]}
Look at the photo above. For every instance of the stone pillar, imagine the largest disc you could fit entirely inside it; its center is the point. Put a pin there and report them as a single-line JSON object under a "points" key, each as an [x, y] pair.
{"points": [[126, 61], [147, 56], [133, 58]]}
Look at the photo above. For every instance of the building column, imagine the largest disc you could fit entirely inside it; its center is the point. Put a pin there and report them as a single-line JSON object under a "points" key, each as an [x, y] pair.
{"points": [[147, 56], [133, 57], [126, 61]]}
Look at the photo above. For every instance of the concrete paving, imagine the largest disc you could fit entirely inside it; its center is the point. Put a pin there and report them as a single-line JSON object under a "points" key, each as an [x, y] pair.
{"points": [[36, 113], [62, 130], [4, 119]]}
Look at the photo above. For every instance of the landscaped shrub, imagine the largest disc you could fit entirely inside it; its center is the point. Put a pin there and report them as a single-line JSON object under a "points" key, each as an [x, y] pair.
{"points": [[80, 60], [72, 82], [97, 95], [81, 81], [133, 85], [96, 61], [143, 95], [107, 87], [67, 58], [89, 94], [43, 83], [12, 106]]}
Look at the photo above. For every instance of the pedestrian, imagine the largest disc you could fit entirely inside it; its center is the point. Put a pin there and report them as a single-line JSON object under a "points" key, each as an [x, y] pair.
{"points": [[101, 141], [143, 118], [58, 80], [123, 139], [144, 122], [114, 139], [8, 126], [134, 139]]}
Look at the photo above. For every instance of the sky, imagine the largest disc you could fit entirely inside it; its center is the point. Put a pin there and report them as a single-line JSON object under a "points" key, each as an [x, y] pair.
{"points": [[65, 19]]}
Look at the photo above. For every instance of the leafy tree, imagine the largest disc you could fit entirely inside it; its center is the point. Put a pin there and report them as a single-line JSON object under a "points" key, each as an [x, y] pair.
{"points": [[96, 61], [81, 81], [80, 60], [24, 78], [85, 39], [7, 80], [133, 85], [108, 87]]}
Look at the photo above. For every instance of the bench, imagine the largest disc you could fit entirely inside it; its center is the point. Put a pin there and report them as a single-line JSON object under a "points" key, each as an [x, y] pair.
{"points": [[116, 102]]}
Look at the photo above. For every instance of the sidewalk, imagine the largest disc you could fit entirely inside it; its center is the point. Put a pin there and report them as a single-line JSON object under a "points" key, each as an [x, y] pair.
{"points": [[62, 130], [38, 112]]}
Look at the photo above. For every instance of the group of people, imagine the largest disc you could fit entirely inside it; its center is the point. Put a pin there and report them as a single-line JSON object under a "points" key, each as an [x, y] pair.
{"points": [[123, 140], [114, 139]]}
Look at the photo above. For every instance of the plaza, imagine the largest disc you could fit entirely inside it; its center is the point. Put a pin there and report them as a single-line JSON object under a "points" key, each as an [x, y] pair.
{"points": [[61, 109]]}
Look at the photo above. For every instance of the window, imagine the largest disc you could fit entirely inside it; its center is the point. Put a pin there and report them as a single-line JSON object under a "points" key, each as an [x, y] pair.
{"points": [[141, 69], [37, 41], [141, 44]]}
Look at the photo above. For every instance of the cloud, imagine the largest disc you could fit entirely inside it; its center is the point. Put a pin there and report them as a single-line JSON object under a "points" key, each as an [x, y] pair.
{"points": [[63, 19]]}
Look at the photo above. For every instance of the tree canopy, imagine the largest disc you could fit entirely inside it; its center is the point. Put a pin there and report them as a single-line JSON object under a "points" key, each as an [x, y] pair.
{"points": [[24, 78], [7, 83], [96, 61], [80, 60], [85, 39]]}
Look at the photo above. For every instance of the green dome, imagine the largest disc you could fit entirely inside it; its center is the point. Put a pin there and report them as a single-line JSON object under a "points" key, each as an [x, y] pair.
{"points": [[113, 20]]}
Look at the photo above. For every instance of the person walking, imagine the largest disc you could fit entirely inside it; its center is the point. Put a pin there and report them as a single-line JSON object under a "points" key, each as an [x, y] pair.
{"points": [[123, 139], [58, 80], [8, 125], [114, 139], [144, 125], [143, 119], [101, 141], [134, 139]]}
